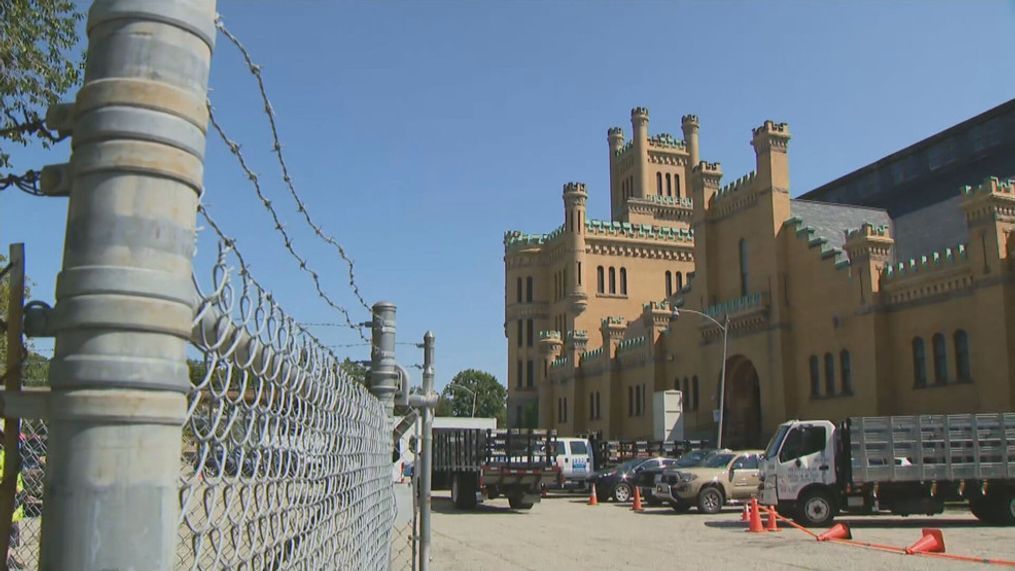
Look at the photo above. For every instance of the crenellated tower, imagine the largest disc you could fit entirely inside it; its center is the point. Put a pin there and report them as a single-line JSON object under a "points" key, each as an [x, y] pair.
{"points": [[689, 125], [575, 199]]}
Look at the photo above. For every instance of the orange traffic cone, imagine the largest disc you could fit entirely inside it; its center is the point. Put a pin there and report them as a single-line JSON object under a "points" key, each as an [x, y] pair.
{"points": [[593, 500], [636, 506], [755, 526], [773, 523], [746, 514], [931, 542], [838, 531]]}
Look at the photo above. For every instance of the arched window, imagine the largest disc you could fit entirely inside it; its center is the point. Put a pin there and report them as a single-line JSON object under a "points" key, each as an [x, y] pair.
{"points": [[743, 267], [846, 369], [680, 281], [962, 356], [669, 284], [829, 374], [676, 185], [623, 281], [940, 359], [528, 289], [919, 363], [815, 377], [694, 392], [669, 185], [613, 280], [659, 183], [600, 281]]}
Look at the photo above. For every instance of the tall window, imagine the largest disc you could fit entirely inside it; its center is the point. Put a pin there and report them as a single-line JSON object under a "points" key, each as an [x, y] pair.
{"points": [[565, 409], [518, 383], [518, 416], [669, 284], [600, 280], [643, 391], [519, 336], [528, 327], [846, 369], [630, 401], [659, 184], [815, 377], [530, 373], [743, 267], [694, 392], [669, 186], [962, 356], [623, 281], [919, 363], [613, 280], [560, 410], [829, 374], [592, 406], [676, 185], [528, 289], [578, 274], [680, 281], [519, 290], [940, 359], [637, 400], [599, 411]]}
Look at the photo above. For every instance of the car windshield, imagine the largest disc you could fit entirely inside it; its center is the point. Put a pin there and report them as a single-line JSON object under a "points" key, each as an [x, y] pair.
{"points": [[776, 442], [692, 459], [717, 461], [578, 447], [630, 465]]}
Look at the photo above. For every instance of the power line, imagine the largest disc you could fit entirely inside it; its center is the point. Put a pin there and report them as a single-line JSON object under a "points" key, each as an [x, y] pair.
{"points": [[255, 70]]}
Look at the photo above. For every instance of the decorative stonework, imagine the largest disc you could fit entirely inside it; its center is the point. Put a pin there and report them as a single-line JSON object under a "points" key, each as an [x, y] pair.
{"points": [[771, 136]]}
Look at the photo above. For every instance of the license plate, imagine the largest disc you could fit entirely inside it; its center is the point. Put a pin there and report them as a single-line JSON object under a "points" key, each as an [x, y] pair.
{"points": [[662, 488]]}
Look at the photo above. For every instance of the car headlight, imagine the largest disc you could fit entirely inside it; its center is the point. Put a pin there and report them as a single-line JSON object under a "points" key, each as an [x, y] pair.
{"points": [[685, 477]]}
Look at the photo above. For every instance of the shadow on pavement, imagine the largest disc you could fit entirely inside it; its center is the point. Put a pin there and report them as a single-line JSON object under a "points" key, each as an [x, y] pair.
{"points": [[443, 505], [875, 522]]}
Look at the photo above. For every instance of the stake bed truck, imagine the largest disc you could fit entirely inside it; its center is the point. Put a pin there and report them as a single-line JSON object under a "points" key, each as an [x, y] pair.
{"points": [[901, 464]]}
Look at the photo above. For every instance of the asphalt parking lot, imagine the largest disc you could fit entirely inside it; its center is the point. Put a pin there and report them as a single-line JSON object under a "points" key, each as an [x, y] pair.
{"points": [[562, 532]]}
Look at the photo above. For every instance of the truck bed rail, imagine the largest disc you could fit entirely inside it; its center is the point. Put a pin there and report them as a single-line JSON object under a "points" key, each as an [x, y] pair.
{"points": [[931, 447]]}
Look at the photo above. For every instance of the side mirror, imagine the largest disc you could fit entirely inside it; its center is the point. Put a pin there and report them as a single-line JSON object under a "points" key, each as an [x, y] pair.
{"points": [[798, 463]]}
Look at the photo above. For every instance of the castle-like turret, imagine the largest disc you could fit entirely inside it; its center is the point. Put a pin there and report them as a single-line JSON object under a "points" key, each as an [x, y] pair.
{"points": [[575, 199], [689, 125]]}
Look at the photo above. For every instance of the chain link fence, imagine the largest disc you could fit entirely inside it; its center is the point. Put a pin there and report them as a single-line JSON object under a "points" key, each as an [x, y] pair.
{"points": [[27, 533], [286, 460]]}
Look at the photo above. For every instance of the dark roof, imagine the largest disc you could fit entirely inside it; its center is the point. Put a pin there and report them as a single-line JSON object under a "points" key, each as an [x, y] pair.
{"points": [[830, 221]]}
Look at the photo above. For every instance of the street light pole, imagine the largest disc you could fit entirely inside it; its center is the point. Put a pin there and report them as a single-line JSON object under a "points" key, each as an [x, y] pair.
{"points": [[724, 327], [465, 388]]}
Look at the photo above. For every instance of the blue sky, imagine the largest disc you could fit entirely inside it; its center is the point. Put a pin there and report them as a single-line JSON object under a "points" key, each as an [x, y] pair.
{"points": [[418, 132]]}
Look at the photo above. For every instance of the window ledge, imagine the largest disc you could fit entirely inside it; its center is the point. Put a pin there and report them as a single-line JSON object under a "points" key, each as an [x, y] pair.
{"points": [[612, 295], [947, 383]]}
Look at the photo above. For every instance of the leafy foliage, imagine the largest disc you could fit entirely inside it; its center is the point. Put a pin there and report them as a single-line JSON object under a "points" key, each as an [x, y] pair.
{"points": [[36, 367], [490, 395], [36, 40]]}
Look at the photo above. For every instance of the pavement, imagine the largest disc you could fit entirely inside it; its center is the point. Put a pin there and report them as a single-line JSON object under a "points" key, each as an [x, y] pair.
{"points": [[562, 533]]}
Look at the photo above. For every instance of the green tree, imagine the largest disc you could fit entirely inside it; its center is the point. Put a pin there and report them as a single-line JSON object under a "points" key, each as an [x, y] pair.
{"points": [[36, 367], [37, 38], [490, 395]]}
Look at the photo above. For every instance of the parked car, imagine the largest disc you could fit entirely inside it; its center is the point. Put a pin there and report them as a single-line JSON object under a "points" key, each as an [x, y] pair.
{"points": [[646, 476], [721, 477], [574, 459], [618, 483]]}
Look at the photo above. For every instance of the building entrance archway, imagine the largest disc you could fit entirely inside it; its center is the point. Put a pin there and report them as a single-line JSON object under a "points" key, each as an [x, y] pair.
{"points": [[742, 418]]}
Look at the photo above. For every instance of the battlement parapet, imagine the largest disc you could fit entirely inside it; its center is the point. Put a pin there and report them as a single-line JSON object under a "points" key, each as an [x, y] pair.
{"points": [[937, 260], [690, 120], [808, 233], [639, 112], [641, 231], [514, 239], [549, 335], [738, 184], [613, 320], [735, 305], [578, 334], [666, 141], [574, 187], [632, 343], [593, 354], [867, 229], [770, 127], [656, 305], [627, 146], [680, 201], [990, 185], [707, 167], [560, 362], [614, 132]]}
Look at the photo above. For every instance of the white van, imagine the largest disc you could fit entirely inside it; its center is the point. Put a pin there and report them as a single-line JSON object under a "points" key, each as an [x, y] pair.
{"points": [[574, 459]]}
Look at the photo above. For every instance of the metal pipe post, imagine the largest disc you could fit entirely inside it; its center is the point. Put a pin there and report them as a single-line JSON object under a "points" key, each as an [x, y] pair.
{"points": [[124, 297], [722, 381], [425, 467], [383, 370], [12, 384]]}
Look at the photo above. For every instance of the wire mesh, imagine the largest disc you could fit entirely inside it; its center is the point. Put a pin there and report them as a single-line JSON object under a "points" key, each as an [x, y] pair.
{"points": [[27, 532], [286, 460]]}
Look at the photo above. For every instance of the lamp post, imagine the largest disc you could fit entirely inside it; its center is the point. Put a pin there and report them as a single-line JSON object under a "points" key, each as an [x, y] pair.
{"points": [[724, 327], [465, 388]]}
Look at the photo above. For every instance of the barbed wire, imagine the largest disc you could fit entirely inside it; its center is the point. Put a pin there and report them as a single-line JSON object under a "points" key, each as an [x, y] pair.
{"points": [[33, 124], [301, 207], [27, 183], [287, 240]]}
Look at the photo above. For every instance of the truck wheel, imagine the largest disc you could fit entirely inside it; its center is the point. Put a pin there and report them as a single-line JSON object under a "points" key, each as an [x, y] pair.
{"points": [[984, 510], [622, 492], [516, 503], [680, 507], [463, 491], [1008, 508], [816, 508], [710, 500]]}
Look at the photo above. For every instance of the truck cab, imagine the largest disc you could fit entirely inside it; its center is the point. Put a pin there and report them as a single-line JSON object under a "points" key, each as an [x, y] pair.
{"points": [[799, 470]]}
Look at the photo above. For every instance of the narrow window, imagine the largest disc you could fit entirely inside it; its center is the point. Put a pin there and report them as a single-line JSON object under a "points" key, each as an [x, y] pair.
{"points": [[518, 338], [659, 184], [669, 284], [694, 392], [528, 327], [560, 410], [530, 370], [680, 281], [962, 356], [919, 363], [518, 416], [630, 401], [815, 379], [564, 284], [669, 185], [743, 267], [579, 274], [518, 290], [846, 369], [546, 368], [676, 185], [613, 280], [623, 281], [643, 398], [518, 382], [556, 287], [829, 374], [592, 406], [686, 395], [528, 289], [565, 409], [600, 281], [599, 410], [940, 359], [637, 400]]}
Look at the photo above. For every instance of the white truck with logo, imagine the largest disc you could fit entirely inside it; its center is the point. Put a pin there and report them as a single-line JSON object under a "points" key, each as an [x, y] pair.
{"points": [[901, 464], [574, 460]]}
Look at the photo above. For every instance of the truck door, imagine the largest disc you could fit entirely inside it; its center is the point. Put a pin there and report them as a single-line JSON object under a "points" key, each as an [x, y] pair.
{"points": [[744, 476], [806, 457]]}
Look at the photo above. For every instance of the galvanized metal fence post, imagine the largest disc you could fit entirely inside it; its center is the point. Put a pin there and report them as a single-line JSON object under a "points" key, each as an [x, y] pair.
{"points": [[124, 310], [15, 360], [383, 369], [426, 469]]}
